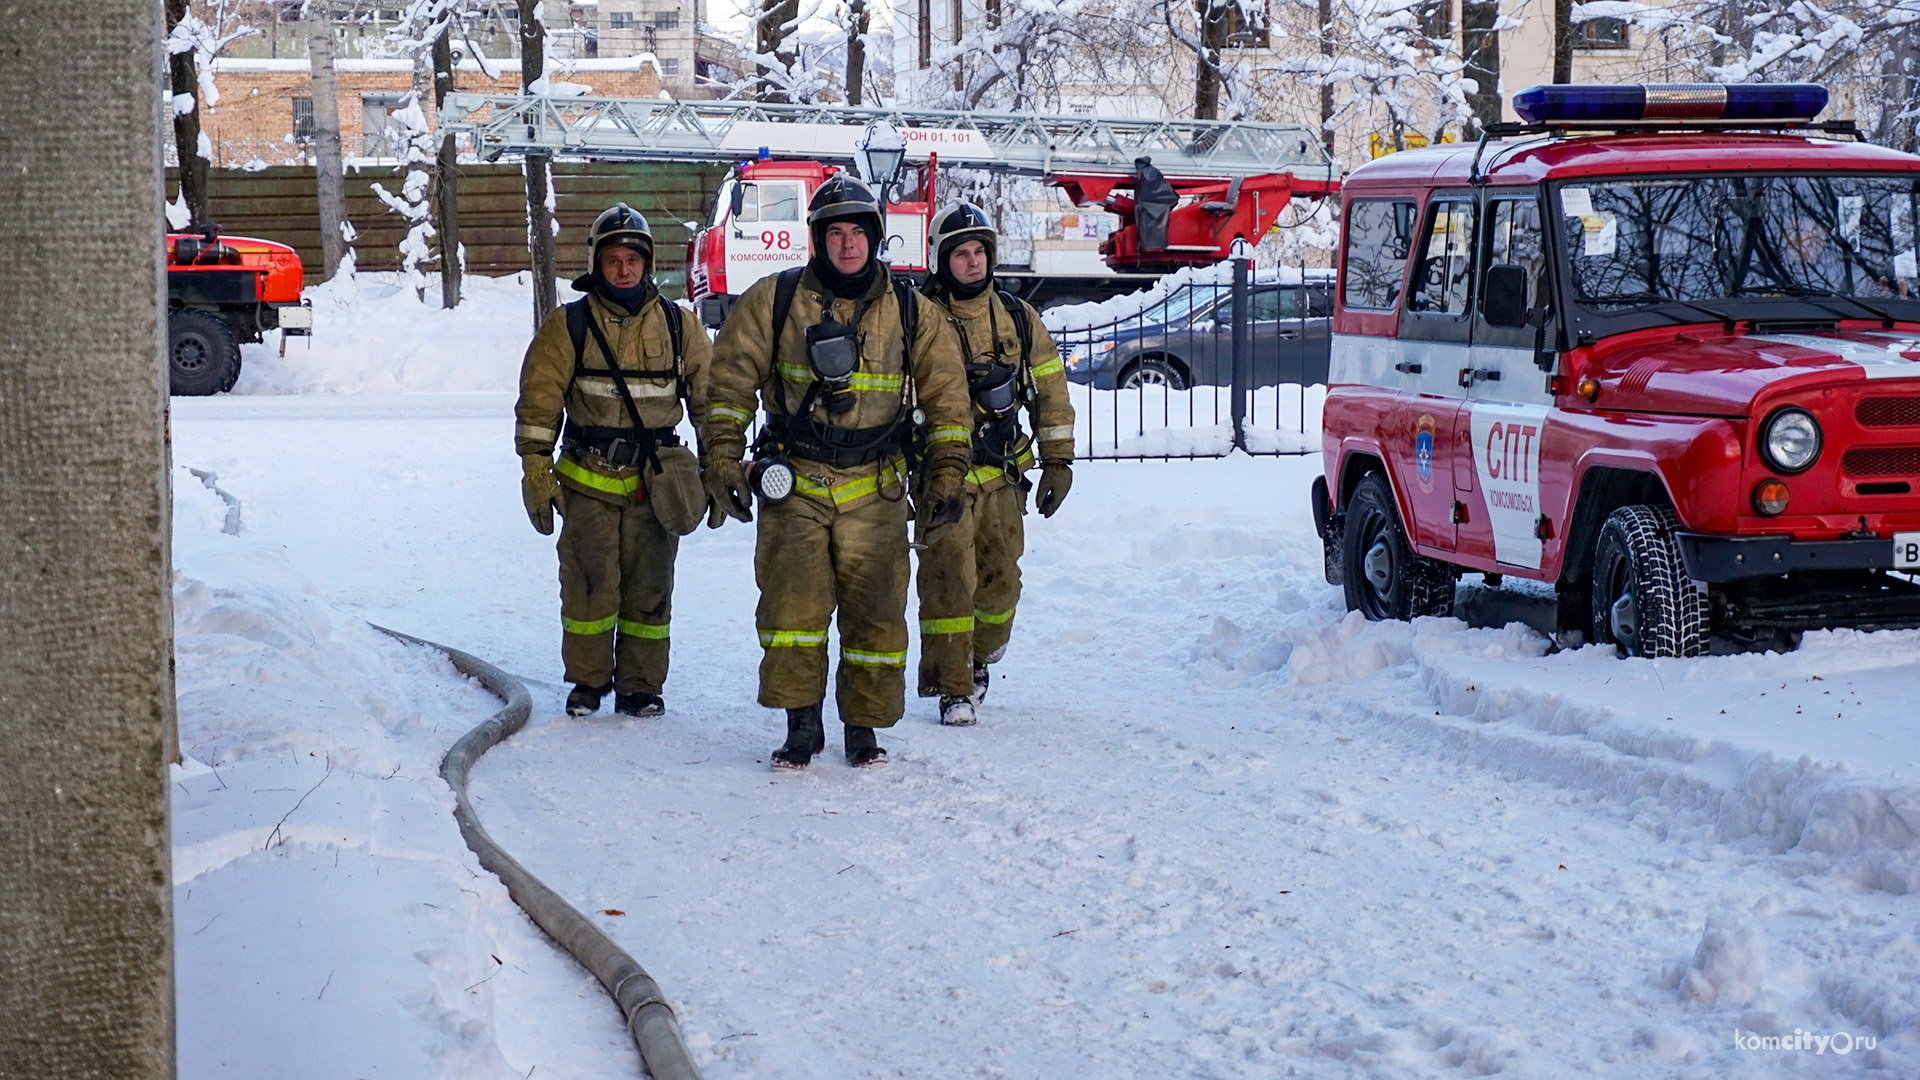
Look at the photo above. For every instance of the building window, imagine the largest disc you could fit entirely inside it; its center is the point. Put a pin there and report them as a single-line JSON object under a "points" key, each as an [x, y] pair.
{"points": [[378, 139], [303, 120], [669, 66], [1600, 34], [666, 20], [620, 20]]}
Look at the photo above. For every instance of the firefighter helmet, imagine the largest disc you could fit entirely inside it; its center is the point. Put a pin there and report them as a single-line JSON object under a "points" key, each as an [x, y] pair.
{"points": [[620, 224], [842, 196], [957, 223]]}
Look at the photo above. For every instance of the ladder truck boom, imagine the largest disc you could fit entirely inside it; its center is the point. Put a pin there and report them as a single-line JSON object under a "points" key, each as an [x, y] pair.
{"points": [[1184, 190]]}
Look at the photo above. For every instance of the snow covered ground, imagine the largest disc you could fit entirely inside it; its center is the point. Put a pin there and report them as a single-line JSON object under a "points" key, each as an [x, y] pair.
{"points": [[1209, 825]]}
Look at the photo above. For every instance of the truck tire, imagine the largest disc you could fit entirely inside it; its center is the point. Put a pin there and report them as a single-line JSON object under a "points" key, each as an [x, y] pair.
{"points": [[1643, 602], [1383, 576], [202, 357]]}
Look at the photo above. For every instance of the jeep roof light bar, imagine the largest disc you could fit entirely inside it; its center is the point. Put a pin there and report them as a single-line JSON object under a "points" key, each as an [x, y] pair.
{"points": [[1582, 104]]}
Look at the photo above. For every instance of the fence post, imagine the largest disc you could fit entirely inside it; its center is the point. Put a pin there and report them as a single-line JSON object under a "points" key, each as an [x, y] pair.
{"points": [[1242, 341]]}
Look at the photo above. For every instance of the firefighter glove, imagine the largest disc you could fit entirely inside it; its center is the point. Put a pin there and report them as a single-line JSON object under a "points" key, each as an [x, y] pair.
{"points": [[1055, 479], [727, 492], [540, 490], [946, 488]]}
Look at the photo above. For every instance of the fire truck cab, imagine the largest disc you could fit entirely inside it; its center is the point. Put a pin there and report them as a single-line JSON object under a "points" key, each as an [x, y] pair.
{"points": [[1670, 366], [759, 227]]}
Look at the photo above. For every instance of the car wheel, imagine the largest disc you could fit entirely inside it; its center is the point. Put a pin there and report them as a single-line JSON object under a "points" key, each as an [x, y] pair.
{"points": [[1153, 371], [1383, 576], [1643, 602], [202, 357]]}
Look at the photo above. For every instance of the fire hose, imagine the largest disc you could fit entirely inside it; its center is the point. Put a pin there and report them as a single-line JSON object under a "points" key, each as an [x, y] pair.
{"points": [[650, 1019]]}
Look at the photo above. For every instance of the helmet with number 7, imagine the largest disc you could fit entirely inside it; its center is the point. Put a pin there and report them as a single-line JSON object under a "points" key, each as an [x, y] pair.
{"points": [[957, 223], [842, 197], [623, 225]]}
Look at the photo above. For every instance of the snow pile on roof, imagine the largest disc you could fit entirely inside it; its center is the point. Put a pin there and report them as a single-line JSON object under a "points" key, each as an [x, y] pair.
{"points": [[372, 336]]}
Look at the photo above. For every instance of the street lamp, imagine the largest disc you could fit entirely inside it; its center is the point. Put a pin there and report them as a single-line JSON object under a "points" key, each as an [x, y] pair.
{"points": [[878, 157]]}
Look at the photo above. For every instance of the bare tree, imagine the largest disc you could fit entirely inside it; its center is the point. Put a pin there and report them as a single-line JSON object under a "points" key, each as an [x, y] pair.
{"points": [[184, 75], [328, 173], [1480, 37], [773, 47], [539, 168], [859, 19], [446, 179]]}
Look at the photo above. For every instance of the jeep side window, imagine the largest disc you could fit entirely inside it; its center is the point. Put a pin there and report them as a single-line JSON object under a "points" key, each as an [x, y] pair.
{"points": [[1379, 236], [1446, 259], [1514, 239]]}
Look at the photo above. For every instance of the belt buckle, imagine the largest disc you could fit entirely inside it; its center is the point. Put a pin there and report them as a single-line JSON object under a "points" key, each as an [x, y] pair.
{"points": [[612, 454]]}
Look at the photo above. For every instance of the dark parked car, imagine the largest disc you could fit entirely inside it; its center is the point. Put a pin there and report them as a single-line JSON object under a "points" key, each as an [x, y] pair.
{"points": [[1187, 339]]}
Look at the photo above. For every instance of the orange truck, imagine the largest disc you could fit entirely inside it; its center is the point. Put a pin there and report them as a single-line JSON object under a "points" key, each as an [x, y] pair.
{"points": [[221, 291]]}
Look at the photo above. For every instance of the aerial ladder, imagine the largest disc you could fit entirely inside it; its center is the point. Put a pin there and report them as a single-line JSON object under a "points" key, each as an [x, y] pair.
{"points": [[1184, 190]]}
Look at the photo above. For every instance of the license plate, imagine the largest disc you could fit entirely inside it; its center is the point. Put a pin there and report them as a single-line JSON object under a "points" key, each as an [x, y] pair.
{"points": [[1906, 551], [296, 318]]}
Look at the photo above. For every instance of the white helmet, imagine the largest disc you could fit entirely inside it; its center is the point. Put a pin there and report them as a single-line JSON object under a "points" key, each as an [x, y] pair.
{"points": [[955, 224]]}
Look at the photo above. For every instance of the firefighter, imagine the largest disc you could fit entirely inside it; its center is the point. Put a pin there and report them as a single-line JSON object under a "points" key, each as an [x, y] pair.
{"points": [[969, 579], [858, 376], [605, 378]]}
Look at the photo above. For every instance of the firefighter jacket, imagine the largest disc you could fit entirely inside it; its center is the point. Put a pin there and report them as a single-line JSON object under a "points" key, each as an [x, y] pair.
{"points": [[562, 401], [749, 373], [986, 328]]}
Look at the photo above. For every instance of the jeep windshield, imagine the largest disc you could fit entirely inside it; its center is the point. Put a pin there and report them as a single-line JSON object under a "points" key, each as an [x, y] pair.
{"points": [[1749, 246]]}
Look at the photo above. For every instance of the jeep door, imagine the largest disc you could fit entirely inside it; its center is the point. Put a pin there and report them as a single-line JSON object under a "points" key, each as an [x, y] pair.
{"points": [[1504, 427], [1436, 334]]}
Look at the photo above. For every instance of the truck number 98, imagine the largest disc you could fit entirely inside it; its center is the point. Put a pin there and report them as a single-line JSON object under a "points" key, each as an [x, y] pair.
{"points": [[770, 239]]}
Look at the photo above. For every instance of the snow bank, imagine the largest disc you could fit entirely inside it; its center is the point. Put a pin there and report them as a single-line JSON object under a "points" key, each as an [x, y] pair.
{"points": [[329, 919], [372, 336]]}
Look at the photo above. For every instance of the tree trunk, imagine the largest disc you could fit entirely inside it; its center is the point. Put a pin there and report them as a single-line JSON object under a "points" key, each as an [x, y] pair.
{"points": [[858, 18], [1326, 81], [328, 175], [86, 626], [446, 176], [1563, 41], [1482, 46], [772, 32], [184, 75], [1215, 18], [539, 168]]}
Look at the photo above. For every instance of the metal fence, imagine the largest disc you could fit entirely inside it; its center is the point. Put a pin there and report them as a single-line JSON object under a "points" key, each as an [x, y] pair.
{"points": [[1209, 368]]}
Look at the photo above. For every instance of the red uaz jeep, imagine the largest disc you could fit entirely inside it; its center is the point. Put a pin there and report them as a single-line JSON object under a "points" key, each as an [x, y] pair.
{"points": [[221, 291], [1658, 346]]}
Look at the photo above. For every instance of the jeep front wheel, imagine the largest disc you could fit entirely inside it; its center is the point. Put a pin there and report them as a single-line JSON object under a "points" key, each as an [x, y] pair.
{"points": [[1643, 601], [202, 357], [1384, 577]]}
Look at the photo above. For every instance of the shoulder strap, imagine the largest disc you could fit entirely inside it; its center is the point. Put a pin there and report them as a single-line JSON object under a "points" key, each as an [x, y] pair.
{"points": [[642, 436], [909, 322], [784, 287], [1021, 324], [676, 334], [577, 319]]}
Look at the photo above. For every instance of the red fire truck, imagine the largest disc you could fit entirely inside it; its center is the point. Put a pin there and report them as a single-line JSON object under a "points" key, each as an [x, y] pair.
{"points": [[1658, 346], [758, 227]]}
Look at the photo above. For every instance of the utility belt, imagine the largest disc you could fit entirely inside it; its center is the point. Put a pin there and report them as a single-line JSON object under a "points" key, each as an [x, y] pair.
{"points": [[838, 447], [619, 447]]}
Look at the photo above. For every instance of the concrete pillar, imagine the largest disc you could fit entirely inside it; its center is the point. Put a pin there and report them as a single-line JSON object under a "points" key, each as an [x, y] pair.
{"points": [[86, 693]]}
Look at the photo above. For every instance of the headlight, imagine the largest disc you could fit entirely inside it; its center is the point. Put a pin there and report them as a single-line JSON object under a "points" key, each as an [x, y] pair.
{"points": [[1790, 441], [1104, 347]]}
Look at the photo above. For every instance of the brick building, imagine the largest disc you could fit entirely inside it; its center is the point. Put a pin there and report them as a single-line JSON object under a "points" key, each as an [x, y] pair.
{"points": [[265, 111]]}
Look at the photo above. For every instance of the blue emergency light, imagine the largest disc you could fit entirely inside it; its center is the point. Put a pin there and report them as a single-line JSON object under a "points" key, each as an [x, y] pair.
{"points": [[1575, 104]]}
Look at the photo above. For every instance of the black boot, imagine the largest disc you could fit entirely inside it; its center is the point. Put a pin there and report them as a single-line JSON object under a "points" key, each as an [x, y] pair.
{"points": [[639, 703], [980, 681], [806, 736], [585, 700], [863, 749]]}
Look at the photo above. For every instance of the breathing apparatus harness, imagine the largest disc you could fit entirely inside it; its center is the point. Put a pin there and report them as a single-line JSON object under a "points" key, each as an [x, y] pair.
{"points": [[833, 351], [999, 389], [636, 444]]}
